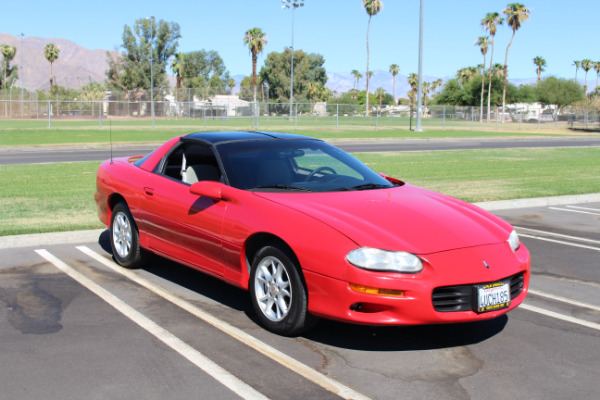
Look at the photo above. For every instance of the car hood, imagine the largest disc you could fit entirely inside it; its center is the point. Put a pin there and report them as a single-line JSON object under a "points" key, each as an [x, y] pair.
{"points": [[404, 218]]}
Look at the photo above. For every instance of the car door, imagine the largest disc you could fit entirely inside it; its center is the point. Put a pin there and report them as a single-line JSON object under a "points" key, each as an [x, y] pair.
{"points": [[179, 224]]}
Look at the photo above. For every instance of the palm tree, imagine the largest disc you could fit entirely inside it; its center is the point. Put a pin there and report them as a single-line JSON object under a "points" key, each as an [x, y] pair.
{"points": [[539, 62], [380, 92], [413, 81], [436, 84], [357, 75], [482, 42], [577, 64], [490, 23], [394, 69], [597, 69], [313, 92], [177, 66], [586, 65], [516, 14], [8, 53], [51, 53], [425, 86], [231, 84], [372, 7], [256, 40]]}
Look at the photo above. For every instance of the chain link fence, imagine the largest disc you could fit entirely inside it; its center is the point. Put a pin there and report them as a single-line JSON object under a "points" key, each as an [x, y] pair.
{"points": [[229, 112]]}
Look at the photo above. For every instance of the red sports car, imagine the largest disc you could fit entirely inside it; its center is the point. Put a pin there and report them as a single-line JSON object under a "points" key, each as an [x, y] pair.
{"points": [[311, 232]]}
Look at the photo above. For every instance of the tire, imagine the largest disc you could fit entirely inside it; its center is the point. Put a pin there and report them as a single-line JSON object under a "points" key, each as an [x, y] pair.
{"points": [[125, 238], [279, 294]]}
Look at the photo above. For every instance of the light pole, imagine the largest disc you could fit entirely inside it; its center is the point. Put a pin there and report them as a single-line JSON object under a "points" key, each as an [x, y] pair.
{"points": [[420, 84], [293, 4]]}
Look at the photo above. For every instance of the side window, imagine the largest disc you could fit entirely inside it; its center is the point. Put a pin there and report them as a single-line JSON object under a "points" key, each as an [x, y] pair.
{"points": [[192, 162]]}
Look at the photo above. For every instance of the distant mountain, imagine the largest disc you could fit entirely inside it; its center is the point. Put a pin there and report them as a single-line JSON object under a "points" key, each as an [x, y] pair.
{"points": [[75, 66], [344, 81]]}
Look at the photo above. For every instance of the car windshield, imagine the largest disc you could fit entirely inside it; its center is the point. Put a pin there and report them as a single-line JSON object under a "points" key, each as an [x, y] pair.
{"points": [[295, 165]]}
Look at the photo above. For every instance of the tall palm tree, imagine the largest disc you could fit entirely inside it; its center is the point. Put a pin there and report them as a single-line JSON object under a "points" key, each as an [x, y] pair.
{"points": [[256, 40], [51, 53], [372, 7], [540, 63], [426, 86], [597, 69], [8, 53], [436, 84], [577, 65], [380, 92], [177, 65], [394, 69], [490, 23], [231, 84], [482, 42], [413, 81], [516, 14], [357, 75], [586, 65]]}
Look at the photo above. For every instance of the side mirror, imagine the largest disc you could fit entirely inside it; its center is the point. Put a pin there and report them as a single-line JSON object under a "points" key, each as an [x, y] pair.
{"points": [[209, 189]]}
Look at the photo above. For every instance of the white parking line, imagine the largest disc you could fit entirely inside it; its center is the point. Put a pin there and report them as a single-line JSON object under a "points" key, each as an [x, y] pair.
{"points": [[560, 242], [561, 317], [307, 372], [576, 238], [564, 300], [208, 366], [585, 208], [573, 211]]}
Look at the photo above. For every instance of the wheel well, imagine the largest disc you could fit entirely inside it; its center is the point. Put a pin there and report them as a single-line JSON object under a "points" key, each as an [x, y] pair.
{"points": [[115, 199], [260, 240]]}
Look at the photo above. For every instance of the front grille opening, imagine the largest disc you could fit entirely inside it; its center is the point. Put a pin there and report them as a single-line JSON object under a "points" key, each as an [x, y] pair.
{"points": [[464, 297]]}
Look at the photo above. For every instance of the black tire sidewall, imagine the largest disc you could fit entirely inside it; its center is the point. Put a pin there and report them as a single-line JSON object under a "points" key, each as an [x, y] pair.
{"points": [[298, 319], [134, 258]]}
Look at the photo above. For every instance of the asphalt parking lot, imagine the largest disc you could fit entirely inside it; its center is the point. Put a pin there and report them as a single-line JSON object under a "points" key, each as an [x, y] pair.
{"points": [[75, 325]]}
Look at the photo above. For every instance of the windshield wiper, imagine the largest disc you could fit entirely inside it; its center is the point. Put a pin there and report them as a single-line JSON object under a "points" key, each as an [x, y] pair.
{"points": [[284, 187], [364, 186]]}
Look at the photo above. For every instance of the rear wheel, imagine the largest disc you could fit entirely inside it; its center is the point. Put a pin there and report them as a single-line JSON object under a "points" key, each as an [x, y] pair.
{"points": [[124, 237], [279, 294]]}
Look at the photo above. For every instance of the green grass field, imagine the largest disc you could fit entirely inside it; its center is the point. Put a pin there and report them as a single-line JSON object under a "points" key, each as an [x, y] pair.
{"points": [[59, 197]]}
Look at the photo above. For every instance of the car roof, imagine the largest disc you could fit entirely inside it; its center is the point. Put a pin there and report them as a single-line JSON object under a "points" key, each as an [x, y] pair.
{"points": [[233, 136]]}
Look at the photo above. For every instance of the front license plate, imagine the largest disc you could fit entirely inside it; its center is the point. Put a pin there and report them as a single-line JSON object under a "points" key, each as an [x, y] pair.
{"points": [[493, 296]]}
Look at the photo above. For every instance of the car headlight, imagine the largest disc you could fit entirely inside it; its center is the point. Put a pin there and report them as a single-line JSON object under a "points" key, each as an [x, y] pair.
{"points": [[513, 241], [384, 260]]}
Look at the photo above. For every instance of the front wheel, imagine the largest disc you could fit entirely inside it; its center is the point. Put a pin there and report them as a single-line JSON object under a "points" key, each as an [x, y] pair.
{"points": [[125, 238], [279, 294]]}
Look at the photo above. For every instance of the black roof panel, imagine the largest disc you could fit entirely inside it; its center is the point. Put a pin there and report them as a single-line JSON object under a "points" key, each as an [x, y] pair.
{"points": [[231, 136]]}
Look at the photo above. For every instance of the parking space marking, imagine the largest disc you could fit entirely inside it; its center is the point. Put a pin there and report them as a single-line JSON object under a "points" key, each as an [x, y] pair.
{"points": [[583, 246], [564, 300], [294, 365], [573, 211], [561, 317], [208, 366], [576, 238], [585, 208]]}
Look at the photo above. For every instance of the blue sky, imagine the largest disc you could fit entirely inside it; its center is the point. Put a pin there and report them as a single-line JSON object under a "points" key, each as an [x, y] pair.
{"points": [[559, 31]]}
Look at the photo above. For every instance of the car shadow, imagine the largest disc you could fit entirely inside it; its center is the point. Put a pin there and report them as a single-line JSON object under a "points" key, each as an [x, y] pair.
{"points": [[331, 333]]}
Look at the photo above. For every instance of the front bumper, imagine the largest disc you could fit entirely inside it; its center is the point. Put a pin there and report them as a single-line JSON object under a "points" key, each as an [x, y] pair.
{"points": [[335, 299]]}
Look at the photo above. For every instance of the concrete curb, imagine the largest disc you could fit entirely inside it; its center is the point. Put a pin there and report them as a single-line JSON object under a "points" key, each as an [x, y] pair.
{"points": [[73, 237]]}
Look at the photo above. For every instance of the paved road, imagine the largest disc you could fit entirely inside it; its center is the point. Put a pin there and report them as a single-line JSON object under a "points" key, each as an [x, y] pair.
{"points": [[76, 326], [63, 154]]}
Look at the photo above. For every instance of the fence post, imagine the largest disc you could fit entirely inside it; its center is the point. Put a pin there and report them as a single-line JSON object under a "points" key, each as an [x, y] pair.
{"points": [[49, 115], [204, 115], [377, 119], [337, 116], [296, 115], [444, 117], [257, 115], [100, 113]]}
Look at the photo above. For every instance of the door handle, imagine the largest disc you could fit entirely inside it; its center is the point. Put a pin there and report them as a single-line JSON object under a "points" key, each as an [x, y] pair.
{"points": [[149, 191]]}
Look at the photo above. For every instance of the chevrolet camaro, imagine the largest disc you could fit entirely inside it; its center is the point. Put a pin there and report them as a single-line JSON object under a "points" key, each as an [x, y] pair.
{"points": [[311, 232]]}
